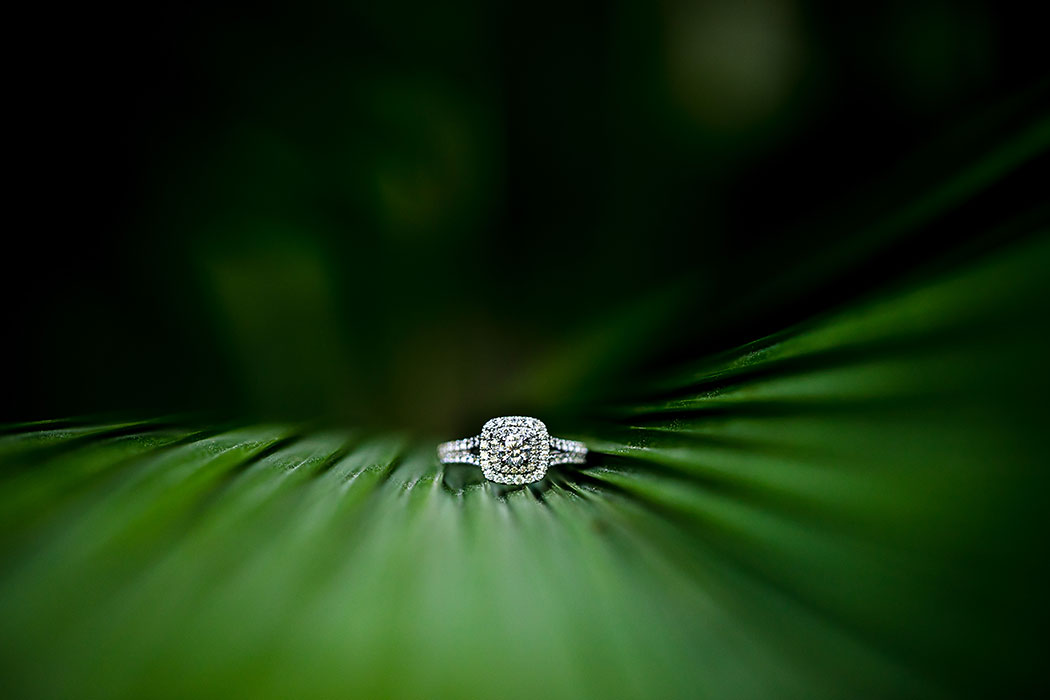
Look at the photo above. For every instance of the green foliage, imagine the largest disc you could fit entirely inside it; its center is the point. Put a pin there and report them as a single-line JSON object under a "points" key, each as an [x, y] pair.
{"points": [[812, 370], [847, 509]]}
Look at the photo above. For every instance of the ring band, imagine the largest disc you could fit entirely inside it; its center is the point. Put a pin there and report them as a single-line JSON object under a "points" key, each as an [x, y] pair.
{"points": [[513, 450]]}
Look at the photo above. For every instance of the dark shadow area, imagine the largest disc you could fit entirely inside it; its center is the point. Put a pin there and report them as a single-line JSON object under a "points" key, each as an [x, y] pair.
{"points": [[425, 215], [456, 478]]}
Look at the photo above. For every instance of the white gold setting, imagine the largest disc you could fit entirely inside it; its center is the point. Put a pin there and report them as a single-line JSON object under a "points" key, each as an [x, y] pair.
{"points": [[513, 450]]}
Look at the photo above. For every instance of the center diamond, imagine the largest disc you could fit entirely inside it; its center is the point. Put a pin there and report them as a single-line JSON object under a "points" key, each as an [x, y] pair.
{"points": [[514, 449]]}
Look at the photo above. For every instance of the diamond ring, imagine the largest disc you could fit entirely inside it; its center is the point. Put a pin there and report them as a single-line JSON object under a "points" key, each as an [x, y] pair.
{"points": [[513, 450]]}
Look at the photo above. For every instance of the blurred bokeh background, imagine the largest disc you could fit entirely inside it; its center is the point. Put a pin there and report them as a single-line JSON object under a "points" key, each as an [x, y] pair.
{"points": [[781, 264], [421, 214]]}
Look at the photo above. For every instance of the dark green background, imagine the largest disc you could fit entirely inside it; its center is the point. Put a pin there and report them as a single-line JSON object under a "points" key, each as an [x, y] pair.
{"points": [[782, 265], [420, 213]]}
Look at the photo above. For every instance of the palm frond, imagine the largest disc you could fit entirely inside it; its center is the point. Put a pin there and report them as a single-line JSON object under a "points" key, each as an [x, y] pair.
{"points": [[845, 509]]}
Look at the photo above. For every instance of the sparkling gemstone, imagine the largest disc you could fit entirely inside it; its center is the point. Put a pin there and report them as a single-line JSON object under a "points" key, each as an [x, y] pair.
{"points": [[515, 448]]}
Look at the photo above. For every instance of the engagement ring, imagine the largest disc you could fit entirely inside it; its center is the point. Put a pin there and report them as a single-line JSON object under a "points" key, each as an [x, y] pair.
{"points": [[513, 450]]}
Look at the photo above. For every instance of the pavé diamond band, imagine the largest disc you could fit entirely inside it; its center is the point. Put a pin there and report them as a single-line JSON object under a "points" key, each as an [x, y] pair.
{"points": [[513, 450]]}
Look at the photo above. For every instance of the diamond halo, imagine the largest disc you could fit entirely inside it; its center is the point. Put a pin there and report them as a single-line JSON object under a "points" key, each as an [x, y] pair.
{"points": [[513, 450]]}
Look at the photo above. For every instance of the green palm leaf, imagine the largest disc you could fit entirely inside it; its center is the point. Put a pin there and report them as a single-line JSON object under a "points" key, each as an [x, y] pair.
{"points": [[848, 508]]}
